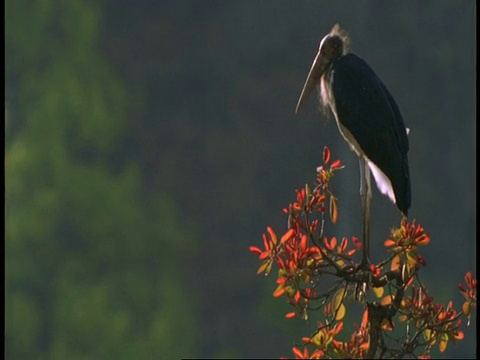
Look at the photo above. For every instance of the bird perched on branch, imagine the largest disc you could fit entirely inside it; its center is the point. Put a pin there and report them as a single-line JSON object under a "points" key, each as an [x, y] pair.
{"points": [[368, 119]]}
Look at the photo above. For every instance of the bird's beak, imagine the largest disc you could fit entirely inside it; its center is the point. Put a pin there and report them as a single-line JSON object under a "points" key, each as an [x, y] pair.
{"points": [[313, 78]]}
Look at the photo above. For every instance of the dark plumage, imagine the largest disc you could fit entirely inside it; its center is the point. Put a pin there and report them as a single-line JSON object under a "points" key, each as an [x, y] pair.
{"points": [[367, 109]]}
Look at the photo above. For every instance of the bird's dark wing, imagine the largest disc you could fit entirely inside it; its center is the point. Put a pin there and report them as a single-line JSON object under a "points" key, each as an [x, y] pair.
{"points": [[366, 108]]}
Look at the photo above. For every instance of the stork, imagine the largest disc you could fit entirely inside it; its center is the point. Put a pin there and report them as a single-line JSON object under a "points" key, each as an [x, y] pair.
{"points": [[369, 120]]}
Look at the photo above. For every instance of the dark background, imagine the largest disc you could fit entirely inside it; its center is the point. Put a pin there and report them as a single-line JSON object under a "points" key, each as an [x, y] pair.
{"points": [[149, 144]]}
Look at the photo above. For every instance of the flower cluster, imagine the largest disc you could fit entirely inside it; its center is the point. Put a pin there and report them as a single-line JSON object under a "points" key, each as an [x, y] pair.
{"points": [[469, 292], [404, 243], [432, 320]]}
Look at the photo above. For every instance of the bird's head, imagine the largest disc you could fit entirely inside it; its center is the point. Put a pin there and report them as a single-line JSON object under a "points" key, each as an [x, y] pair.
{"points": [[333, 45]]}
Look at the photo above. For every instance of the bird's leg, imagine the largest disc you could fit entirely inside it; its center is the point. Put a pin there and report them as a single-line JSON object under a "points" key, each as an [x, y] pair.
{"points": [[366, 197]]}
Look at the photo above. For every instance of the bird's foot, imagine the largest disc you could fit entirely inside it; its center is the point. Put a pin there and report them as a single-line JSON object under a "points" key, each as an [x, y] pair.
{"points": [[365, 265], [363, 277]]}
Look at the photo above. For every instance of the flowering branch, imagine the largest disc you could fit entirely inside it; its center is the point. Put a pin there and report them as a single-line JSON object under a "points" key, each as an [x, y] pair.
{"points": [[318, 273]]}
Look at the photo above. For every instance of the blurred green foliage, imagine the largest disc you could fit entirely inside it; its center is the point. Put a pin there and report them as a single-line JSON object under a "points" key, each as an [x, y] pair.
{"points": [[92, 265]]}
